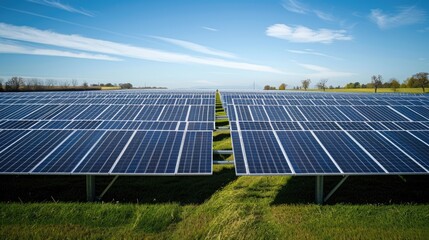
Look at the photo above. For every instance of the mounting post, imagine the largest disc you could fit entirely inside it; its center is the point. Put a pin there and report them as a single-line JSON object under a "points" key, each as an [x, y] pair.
{"points": [[319, 190], [90, 188]]}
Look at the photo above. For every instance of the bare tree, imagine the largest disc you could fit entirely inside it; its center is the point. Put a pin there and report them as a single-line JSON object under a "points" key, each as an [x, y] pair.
{"points": [[305, 83], [377, 81], [65, 83], [14, 83], [394, 84], [422, 79], [322, 84], [50, 83], [283, 86], [74, 82]]}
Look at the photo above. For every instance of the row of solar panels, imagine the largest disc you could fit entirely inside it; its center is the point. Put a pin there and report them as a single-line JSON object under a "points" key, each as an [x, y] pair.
{"points": [[299, 138], [109, 112], [132, 133], [330, 126], [105, 152], [327, 113], [330, 152], [303, 98], [114, 101], [106, 125]]}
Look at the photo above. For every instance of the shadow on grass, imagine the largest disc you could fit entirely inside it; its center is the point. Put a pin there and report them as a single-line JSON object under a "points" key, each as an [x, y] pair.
{"points": [[358, 190], [221, 136], [182, 190]]}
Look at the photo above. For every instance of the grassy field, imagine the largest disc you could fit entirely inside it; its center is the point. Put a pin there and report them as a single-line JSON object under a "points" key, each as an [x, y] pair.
{"points": [[371, 90], [222, 206]]}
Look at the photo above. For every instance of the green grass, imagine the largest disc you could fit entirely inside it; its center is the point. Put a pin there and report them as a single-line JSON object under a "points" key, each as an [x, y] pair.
{"points": [[371, 90], [239, 208], [222, 206]]}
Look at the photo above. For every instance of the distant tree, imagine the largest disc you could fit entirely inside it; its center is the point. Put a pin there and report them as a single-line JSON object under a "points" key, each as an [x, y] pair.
{"points": [[322, 84], [394, 84], [350, 85], [50, 83], [1, 84], [331, 87], [377, 81], [422, 80], [267, 87], [357, 85], [14, 83], [305, 83], [109, 85], [65, 83], [85, 84], [283, 86], [125, 85], [74, 82]]}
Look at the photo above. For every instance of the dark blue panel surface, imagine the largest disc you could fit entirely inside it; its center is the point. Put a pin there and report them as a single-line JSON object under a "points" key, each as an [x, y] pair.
{"points": [[407, 142], [390, 157], [240, 167], [263, 153], [151, 152], [305, 153], [26, 153], [347, 154], [105, 152], [197, 153], [66, 157]]}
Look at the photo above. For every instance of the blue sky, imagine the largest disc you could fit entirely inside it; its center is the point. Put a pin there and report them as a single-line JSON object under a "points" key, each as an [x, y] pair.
{"points": [[213, 44]]}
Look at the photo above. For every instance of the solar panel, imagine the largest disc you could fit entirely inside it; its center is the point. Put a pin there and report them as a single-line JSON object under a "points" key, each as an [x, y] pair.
{"points": [[328, 134], [121, 132]]}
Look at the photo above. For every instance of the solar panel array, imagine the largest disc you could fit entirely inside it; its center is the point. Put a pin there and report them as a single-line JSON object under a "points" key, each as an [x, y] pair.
{"points": [[117, 132], [300, 133]]}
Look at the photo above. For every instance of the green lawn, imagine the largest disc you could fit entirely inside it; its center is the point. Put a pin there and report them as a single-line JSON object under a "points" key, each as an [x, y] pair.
{"points": [[222, 206], [371, 90]]}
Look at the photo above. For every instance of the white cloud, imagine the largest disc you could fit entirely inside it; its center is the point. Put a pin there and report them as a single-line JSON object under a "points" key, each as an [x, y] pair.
{"points": [[295, 6], [323, 72], [62, 6], [404, 16], [323, 15], [197, 47], [304, 34], [28, 34], [18, 49], [311, 52], [210, 29]]}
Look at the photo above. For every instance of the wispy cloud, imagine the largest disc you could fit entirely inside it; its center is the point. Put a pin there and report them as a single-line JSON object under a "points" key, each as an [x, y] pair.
{"points": [[210, 29], [323, 72], [197, 47], [307, 35], [62, 6], [295, 6], [20, 49], [29, 34], [311, 52], [300, 8], [402, 17]]}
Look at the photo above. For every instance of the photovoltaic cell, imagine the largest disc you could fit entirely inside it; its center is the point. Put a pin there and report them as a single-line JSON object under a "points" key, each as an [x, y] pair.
{"points": [[347, 154], [389, 156], [305, 154], [197, 153]]}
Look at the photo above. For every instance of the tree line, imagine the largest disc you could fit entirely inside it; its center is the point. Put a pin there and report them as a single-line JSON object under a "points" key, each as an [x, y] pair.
{"points": [[37, 84], [418, 80]]}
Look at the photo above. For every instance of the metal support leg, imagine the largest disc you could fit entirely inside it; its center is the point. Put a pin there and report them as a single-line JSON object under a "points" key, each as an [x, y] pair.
{"points": [[319, 190], [107, 188], [90, 188], [335, 188]]}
